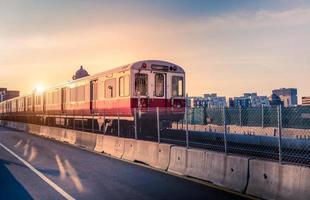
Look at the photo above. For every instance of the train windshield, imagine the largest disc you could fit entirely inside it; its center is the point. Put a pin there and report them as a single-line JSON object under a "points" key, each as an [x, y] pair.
{"points": [[177, 86], [141, 81], [159, 85]]}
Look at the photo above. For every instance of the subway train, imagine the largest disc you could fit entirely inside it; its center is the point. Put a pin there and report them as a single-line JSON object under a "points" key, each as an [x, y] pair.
{"points": [[127, 93]]}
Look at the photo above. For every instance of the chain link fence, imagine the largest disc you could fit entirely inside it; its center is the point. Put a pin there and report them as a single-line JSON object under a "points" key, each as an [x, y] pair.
{"points": [[276, 133]]}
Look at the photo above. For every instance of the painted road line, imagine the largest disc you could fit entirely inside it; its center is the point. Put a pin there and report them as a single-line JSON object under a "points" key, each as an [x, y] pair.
{"points": [[47, 180]]}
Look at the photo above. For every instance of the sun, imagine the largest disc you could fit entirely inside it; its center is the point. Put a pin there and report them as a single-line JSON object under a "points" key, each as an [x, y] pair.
{"points": [[39, 88]]}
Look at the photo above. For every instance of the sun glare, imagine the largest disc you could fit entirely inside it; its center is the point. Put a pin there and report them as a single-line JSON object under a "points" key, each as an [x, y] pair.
{"points": [[39, 88]]}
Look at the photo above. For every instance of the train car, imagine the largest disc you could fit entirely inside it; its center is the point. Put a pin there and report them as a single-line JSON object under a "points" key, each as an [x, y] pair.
{"points": [[144, 85], [38, 102], [14, 105], [53, 101], [21, 105], [2, 108], [29, 104], [119, 93]]}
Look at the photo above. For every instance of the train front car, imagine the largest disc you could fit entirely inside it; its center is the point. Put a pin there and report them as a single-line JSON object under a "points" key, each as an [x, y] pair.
{"points": [[158, 85]]}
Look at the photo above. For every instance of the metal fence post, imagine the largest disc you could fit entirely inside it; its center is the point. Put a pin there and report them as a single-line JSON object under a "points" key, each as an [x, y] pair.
{"points": [[240, 116], [66, 121], [280, 132], [135, 113], [118, 124], [263, 117], [82, 121], [158, 127], [225, 129], [73, 120], [92, 123], [186, 121], [60, 121]]}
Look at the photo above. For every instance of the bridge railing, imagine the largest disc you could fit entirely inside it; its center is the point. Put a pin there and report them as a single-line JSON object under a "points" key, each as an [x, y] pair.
{"points": [[275, 133]]}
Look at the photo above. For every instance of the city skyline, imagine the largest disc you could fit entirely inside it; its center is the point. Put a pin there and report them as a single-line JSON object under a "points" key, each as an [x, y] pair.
{"points": [[227, 48]]}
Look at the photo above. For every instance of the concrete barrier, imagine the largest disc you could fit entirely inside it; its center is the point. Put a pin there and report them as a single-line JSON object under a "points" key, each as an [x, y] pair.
{"points": [[86, 140], [22, 127], [34, 129], [69, 136], [196, 163], [130, 146], [146, 152], [163, 156], [99, 143], [56, 133], [153, 154], [44, 131], [113, 146], [270, 180], [227, 171], [178, 160]]}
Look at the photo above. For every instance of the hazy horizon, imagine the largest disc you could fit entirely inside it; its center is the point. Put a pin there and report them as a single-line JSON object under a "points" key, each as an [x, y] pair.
{"points": [[226, 48]]}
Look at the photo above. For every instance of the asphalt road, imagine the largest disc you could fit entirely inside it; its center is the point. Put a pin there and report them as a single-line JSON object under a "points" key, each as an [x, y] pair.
{"points": [[60, 169]]}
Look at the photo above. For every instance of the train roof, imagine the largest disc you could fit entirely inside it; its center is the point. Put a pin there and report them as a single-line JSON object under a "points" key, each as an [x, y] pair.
{"points": [[135, 65]]}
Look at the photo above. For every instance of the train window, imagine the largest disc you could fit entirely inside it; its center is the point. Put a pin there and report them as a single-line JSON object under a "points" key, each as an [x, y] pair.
{"points": [[124, 86], [109, 88], [141, 85], [81, 93], [159, 85], [38, 100], [72, 94], [177, 86]]}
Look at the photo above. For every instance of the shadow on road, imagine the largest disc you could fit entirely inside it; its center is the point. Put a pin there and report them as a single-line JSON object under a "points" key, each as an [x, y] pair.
{"points": [[10, 188]]}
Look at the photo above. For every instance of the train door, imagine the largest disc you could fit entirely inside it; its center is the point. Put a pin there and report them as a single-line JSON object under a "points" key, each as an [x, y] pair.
{"points": [[93, 95], [63, 99], [160, 90]]}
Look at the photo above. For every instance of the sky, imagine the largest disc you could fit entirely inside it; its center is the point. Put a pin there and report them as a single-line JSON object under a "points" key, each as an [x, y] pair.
{"points": [[227, 47]]}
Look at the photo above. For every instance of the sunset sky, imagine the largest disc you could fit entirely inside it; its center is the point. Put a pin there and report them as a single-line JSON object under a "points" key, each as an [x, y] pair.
{"points": [[228, 47]]}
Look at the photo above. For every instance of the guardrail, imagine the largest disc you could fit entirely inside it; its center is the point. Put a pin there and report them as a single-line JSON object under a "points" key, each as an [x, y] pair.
{"points": [[266, 179]]}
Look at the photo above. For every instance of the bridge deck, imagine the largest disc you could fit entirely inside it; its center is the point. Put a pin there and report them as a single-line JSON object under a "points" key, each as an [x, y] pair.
{"points": [[67, 170]]}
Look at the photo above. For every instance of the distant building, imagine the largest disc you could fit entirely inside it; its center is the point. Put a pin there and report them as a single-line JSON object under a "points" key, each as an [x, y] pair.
{"points": [[275, 100], [214, 101], [80, 73], [287, 95], [249, 100], [6, 94], [196, 102], [208, 101], [305, 101]]}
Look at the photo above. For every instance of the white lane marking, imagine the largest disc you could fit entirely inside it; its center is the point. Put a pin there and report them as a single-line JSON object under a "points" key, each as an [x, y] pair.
{"points": [[26, 147], [33, 154], [48, 181], [74, 176], [61, 168], [18, 143]]}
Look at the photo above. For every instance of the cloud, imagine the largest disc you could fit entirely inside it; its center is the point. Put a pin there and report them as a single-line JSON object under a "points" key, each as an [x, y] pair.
{"points": [[257, 20], [219, 52]]}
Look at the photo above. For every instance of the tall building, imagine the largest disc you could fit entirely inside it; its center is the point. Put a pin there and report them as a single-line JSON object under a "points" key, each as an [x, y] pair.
{"points": [[6, 94], [208, 101], [249, 100], [287, 95], [305, 101], [214, 101], [275, 100]]}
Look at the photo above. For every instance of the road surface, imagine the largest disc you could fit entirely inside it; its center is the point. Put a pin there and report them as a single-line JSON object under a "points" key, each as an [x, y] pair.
{"points": [[32, 167]]}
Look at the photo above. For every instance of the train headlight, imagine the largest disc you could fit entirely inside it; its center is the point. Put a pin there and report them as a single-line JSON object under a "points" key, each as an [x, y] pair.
{"points": [[144, 65]]}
